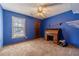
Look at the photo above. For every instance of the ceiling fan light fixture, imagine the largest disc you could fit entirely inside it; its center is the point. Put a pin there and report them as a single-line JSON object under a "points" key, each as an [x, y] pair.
{"points": [[41, 11]]}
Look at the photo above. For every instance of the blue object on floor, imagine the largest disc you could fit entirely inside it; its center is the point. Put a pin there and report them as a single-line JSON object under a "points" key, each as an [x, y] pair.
{"points": [[70, 31]]}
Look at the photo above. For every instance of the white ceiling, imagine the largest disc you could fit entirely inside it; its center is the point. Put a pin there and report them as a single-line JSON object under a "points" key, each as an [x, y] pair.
{"points": [[30, 8], [75, 7]]}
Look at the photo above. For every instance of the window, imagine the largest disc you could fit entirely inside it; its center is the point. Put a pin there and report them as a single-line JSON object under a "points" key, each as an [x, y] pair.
{"points": [[18, 27]]}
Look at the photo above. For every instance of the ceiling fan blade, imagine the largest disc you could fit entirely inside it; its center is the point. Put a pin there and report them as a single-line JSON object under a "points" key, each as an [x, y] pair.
{"points": [[51, 4]]}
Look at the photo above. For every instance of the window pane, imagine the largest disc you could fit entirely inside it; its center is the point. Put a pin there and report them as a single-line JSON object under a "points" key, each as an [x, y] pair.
{"points": [[18, 27]]}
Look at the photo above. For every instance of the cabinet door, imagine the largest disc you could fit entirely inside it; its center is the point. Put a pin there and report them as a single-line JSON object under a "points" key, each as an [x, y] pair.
{"points": [[37, 29]]}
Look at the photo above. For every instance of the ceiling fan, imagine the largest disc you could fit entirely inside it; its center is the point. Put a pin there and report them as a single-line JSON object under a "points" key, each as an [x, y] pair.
{"points": [[41, 10]]}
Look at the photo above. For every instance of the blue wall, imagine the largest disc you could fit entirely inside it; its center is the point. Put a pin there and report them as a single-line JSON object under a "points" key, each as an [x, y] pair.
{"points": [[1, 27], [48, 23], [7, 24], [76, 16], [53, 21]]}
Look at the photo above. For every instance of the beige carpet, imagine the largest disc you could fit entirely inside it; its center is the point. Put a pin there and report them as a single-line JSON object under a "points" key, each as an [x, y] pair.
{"points": [[38, 47]]}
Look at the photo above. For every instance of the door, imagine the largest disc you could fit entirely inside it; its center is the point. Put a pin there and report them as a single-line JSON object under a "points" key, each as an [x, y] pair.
{"points": [[37, 29]]}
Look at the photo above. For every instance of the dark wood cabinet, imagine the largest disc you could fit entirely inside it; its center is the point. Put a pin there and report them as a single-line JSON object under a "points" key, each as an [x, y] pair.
{"points": [[37, 29]]}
